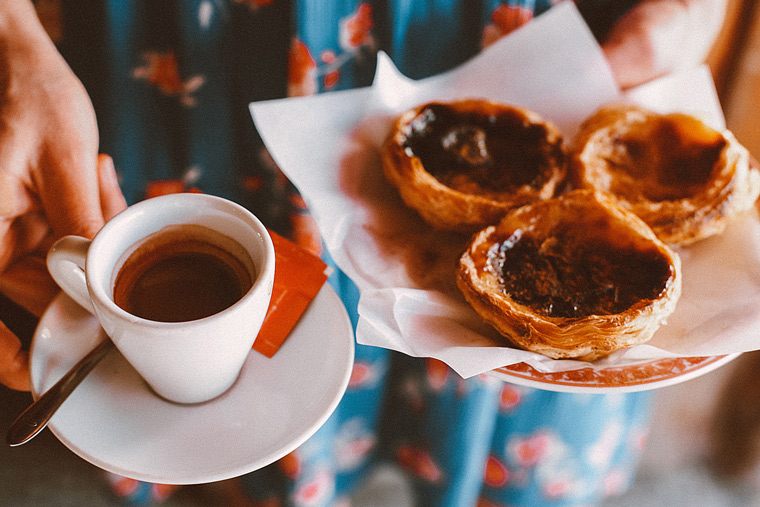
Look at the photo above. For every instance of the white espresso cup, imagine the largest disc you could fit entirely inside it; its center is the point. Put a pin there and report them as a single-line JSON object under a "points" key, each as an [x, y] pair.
{"points": [[162, 258]]}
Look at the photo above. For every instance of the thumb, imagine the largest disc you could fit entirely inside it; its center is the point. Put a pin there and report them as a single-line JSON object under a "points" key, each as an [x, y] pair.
{"points": [[70, 194]]}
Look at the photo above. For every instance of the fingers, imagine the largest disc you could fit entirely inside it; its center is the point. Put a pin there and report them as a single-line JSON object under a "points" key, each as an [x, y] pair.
{"points": [[70, 195], [65, 167], [636, 44], [86, 198], [28, 284], [22, 234], [17, 189], [661, 36], [14, 362], [112, 200], [23, 274]]}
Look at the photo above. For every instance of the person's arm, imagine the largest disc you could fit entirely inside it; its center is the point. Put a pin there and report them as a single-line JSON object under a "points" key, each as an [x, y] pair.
{"points": [[51, 180], [657, 37]]}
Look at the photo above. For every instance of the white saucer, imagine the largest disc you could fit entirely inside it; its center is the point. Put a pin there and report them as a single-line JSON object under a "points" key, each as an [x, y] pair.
{"points": [[114, 420]]}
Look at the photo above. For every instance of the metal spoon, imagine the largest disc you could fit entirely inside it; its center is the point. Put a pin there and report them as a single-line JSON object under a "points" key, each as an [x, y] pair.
{"points": [[36, 416]]}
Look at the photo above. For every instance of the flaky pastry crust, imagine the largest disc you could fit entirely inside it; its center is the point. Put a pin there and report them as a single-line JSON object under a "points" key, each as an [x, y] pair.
{"points": [[575, 276], [463, 164], [683, 178]]}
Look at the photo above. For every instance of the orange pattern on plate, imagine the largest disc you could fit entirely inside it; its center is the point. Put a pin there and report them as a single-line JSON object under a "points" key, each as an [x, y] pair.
{"points": [[653, 371]]}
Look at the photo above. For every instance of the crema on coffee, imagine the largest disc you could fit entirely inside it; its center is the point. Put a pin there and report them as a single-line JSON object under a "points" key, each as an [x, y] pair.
{"points": [[182, 273]]}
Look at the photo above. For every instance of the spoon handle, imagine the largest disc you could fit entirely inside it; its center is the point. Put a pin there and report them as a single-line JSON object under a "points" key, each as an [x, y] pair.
{"points": [[36, 416]]}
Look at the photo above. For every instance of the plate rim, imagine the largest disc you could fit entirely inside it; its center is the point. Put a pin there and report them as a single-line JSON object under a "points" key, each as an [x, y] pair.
{"points": [[542, 381]]}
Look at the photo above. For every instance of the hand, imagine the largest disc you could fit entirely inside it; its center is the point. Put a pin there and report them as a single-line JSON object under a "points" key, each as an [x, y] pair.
{"points": [[52, 181], [660, 36]]}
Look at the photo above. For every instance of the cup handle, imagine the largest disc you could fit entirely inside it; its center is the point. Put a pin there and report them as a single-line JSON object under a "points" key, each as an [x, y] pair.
{"points": [[66, 263]]}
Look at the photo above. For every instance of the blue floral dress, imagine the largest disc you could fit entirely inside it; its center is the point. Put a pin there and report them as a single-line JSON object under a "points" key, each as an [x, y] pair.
{"points": [[171, 80]]}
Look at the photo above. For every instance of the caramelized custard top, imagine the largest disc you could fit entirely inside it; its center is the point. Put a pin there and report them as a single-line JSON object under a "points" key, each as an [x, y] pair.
{"points": [[562, 276], [669, 159], [474, 151]]}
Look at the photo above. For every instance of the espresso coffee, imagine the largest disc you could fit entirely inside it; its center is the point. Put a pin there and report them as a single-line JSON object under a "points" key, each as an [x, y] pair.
{"points": [[182, 273]]}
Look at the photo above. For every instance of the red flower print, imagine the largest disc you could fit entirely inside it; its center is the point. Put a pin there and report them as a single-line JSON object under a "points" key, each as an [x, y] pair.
{"points": [[355, 29], [419, 462], [122, 486], [305, 232], [601, 452], [315, 491], [615, 483], [360, 448], [253, 183], [164, 187], [557, 489], [161, 492], [302, 70], [255, 4], [505, 19], [496, 474], [530, 451], [328, 57], [482, 502], [363, 374], [638, 438], [353, 445], [161, 70], [508, 18], [290, 465], [511, 396], [354, 33], [437, 373], [331, 79], [297, 201]]}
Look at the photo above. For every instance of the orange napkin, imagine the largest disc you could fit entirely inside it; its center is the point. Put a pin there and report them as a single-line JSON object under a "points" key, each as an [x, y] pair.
{"points": [[298, 276]]}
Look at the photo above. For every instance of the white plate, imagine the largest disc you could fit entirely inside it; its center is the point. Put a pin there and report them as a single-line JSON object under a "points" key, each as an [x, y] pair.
{"points": [[114, 421]]}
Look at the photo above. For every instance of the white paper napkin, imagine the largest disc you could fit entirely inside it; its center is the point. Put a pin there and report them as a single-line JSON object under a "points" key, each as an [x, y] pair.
{"points": [[328, 146]]}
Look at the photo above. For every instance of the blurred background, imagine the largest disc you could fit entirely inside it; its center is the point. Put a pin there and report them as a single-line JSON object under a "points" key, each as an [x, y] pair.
{"points": [[735, 63], [674, 471]]}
